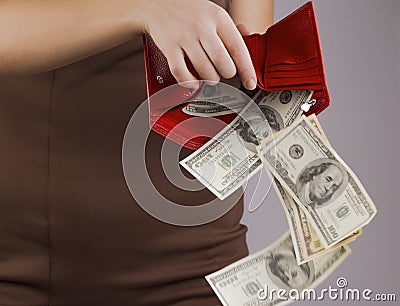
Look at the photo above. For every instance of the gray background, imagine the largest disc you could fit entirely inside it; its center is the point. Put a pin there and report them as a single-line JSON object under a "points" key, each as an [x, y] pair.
{"points": [[361, 47]]}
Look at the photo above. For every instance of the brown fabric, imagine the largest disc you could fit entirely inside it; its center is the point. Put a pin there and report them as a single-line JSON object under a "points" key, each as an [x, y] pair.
{"points": [[70, 231]]}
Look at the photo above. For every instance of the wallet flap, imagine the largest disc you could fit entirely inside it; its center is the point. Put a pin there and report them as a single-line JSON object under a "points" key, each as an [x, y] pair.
{"points": [[294, 39]]}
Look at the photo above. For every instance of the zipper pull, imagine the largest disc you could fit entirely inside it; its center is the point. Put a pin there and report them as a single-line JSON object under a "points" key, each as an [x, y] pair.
{"points": [[305, 107]]}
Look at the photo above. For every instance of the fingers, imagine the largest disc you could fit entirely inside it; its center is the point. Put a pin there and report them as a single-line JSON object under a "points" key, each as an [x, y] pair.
{"points": [[219, 56], [201, 62], [179, 70], [209, 38], [237, 49], [212, 59]]}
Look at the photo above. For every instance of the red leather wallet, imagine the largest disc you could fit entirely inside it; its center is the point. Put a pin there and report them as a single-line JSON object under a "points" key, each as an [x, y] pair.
{"points": [[286, 57]]}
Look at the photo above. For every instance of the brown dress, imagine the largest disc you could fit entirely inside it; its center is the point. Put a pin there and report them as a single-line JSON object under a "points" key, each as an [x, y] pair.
{"points": [[70, 231]]}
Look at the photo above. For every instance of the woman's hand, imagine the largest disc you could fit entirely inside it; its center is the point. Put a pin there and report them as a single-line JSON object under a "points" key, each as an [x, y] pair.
{"points": [[37, 36], [205, 33]]}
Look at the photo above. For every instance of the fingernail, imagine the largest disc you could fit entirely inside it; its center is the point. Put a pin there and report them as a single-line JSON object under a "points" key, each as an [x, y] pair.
{"points": [[212, 83], [251, 84], [194, 85]]}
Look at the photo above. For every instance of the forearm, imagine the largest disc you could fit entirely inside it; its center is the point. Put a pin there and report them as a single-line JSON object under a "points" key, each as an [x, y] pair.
{"points": [[40, 35], [36, 36], [256, 15]]}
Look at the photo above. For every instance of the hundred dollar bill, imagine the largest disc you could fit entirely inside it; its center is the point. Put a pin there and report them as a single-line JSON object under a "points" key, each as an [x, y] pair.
{"points": [[217, 100], [306, 242], [319, 181], [281, 106], [256, 279], [314, 121], [227, 161]]}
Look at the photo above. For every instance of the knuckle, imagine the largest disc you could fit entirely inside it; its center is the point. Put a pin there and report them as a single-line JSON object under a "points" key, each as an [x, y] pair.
{"points": [[246, 73], [219, 13], [236, 50], [184, 38], [219, 57], [224, 64], [199, 26]]}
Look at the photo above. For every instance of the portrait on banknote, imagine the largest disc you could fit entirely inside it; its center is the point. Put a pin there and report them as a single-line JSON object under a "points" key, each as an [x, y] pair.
{"points": [[282, 268], [320, 182], [256, 124], [251, 131], [273, 117]]}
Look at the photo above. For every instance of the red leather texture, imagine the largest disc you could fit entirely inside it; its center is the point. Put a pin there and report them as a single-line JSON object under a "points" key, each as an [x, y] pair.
{"points": [[287, 57]]}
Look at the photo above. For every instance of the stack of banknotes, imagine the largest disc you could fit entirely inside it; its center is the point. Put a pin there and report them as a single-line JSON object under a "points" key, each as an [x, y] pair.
{"points": [[325, 203]]}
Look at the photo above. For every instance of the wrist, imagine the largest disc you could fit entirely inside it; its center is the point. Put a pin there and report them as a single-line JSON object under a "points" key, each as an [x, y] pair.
{"points": [[140, 13], [136, 16]]}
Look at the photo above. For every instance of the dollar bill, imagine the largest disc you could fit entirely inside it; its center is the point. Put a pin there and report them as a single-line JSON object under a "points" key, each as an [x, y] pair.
{"points": [[256, 279], [217, 100], [230, 159], [306, 242], [326, 189], [281, 106], [315, 122]]}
